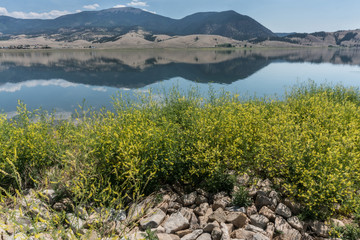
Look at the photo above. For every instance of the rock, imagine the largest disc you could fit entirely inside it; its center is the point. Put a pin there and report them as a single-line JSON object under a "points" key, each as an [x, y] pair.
{"points": [[270, 229], [165, 236], [160, 229], [320, 229], [194, 222], [216, 233], [75, 222], [154, 220], [236, 209], [204, 219], [116, 215], [295, 223], [201, 210], [254, 229], [175, 222], [193, 236], [219, 216], [204, 236], [59, 207], [49, 195], [266, 183], [225, 232], [91, 235], [82, 213], [243, 179], [242, 234], [294, 207], [187, 213], [251, 210], [336, 222], [283, 210], [287, 232], [189, 199], [202, 192], [238, 219], [274, 195], [200, 199], [210, 226], [259, 220], [259, 236], [221, 203], [267, 212], [262, 200], [37, 227], [163, 206], [182, 233], [252, 191], [20, 236], [220, 195], [175, 205], [230, 227]]}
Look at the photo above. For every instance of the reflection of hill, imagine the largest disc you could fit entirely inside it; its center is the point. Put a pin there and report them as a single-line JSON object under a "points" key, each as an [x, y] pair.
{"points": [[133, 69]]}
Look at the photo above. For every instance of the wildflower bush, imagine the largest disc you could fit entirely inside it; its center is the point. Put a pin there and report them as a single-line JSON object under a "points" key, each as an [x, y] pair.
{"points": [[309, 139]]}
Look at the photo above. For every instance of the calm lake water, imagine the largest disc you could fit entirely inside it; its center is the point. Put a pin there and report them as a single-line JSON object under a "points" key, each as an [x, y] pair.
{"points": [[61, 80]]}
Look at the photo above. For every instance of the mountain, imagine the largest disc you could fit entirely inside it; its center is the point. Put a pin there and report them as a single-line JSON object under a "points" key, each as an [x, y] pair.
{"points": [[122, 20]]}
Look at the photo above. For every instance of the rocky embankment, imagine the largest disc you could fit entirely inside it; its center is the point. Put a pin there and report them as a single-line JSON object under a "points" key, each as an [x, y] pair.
{"points": [[170, 214]]}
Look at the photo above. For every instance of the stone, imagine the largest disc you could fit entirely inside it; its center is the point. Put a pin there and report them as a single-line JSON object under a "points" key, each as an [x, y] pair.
{"points": [[230, 227], [267, 212], [243, 179], [216, 233], [270, 229], [204, 236], [182, 233], [204, 219], [254, 229], [219, 216], [187, 213], [82, 213], [201, 210], [294, 207], [262, 200], [160, 229], [193, 236], [210, 226], [200, 199], [75, 222], [337, 222], [242, 234], [189, 199], [220, 195], [175, 205], [175, 222], [251, 210], [154, 220], [238, 219], [283, 210], [320, 229], [37, 227], [236, 209], [225, 232], [259, 236], [165, 236], [194, 221], [259, 220], [49, 195], [91, 235], [295, 223], [287, 232], [20, 236], [116, 215], [163, 206], [266, 183], [221, 203], [59, 207], [252, 191], [202, 192]]}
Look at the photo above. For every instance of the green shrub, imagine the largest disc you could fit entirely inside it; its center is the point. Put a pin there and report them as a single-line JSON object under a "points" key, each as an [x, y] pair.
{"points": [[241, 197]]}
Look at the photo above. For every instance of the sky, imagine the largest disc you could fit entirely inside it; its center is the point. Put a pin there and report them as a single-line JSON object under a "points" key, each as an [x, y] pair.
{"points": [[277, 15]]}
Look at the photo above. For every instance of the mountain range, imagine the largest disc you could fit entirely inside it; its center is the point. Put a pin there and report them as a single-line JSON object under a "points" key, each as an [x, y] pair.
{"points": [[119, 21]]}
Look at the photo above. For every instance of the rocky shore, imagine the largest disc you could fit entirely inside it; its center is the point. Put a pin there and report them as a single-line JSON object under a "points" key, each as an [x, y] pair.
{"points": [[170, 214]]}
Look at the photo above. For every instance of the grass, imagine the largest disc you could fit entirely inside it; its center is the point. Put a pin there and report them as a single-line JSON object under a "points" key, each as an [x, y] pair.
{"points": [[310, 140]]}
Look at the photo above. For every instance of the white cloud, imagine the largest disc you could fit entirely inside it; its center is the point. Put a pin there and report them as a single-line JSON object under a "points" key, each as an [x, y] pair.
{"points": [[92, 7], [137, 3], [14, 87], [119, 6], [148, 11], [33, 15]]}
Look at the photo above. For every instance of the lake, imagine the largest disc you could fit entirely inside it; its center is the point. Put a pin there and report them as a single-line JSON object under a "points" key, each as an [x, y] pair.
{"points": [[61, 80]]}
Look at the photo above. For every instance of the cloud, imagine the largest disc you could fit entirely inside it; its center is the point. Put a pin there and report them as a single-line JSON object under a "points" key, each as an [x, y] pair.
{"points": [[119, 6], [148, 11], [92, 7], [14, 87], [137, 3], [33, 15]]}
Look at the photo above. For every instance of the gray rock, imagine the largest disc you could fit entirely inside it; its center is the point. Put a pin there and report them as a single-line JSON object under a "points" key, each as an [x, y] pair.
{"points": [[294, 207], [259, 236], [254, 229], [194, 222], [216, 233], [187, 213], [175, 205], [320, 229], [270, 229], [283, 210], [75, 222], [165, 236], [154, 220], [116, 215], [204, 236], [337, 222], [20, 236], [295, 223], [252, 191], [220, 195], [210, 226], [236, 209], [200, 199], [37, 227], [193, 236], [59, 207], [189, 199], [219, 216], [204, 219], [175, 223], [251, 210], [201, 210], [242, 234], [184, 232], [262, 200], [225, 232], [238, 219], [243, 179], [267, 212], [49, 195], [221, 203], [259, 220], [287, 232], [202, 192]]}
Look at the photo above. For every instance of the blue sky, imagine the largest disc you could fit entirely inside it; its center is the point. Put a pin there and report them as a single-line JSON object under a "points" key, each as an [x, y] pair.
{"points": [[277, 15]]}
